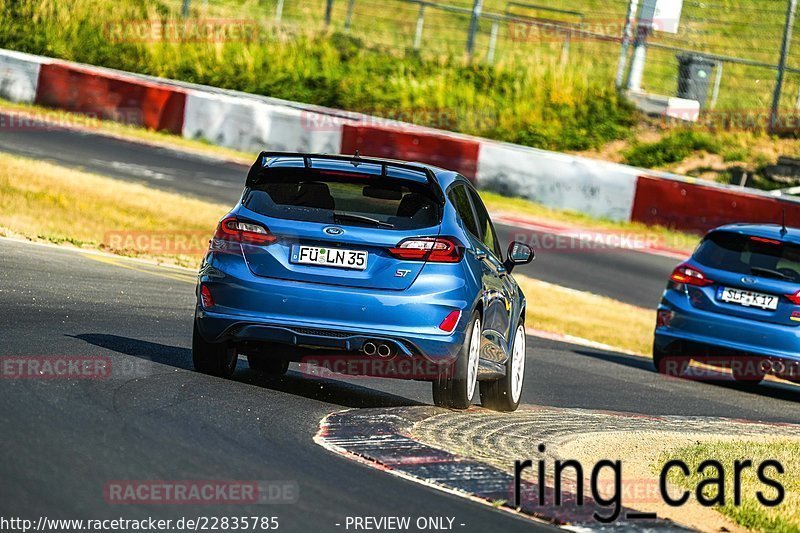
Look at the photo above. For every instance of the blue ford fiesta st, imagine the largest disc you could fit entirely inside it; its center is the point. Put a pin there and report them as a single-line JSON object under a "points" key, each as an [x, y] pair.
{"points": [[394, 264], [735, 301]]}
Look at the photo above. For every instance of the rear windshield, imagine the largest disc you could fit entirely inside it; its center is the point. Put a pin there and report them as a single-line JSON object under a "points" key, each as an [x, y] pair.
{"points": [[745, 254], [344, 198]]}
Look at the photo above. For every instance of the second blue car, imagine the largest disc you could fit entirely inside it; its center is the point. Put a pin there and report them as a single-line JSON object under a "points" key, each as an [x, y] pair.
{"points": [[736, 301]]}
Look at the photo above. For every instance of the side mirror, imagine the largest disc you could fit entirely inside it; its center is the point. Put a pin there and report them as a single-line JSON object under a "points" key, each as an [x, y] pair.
{"points": [[518, 254]]}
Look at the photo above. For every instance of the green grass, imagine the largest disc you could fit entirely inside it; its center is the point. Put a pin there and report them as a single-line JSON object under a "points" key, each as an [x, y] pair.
{"points": [[750, 514], [543, 105], [673, 147]]}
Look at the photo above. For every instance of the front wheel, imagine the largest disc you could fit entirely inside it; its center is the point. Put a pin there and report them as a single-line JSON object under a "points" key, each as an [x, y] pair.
{"points": [[455, 387], [504, 394], [214, 358]]}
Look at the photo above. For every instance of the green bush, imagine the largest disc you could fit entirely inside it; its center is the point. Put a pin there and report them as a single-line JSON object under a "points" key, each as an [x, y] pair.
{"points": [[542, 103], [671, 148]]}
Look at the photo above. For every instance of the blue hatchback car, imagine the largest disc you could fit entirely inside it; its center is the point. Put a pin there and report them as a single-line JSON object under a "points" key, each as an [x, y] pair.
{"points": [[394, 264], [736, 299]]}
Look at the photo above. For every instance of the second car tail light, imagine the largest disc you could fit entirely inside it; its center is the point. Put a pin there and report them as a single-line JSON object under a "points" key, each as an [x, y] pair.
{"points": [[236, 230], [794, 298], [689, 275], [433, 249], [664, 318], [205, 297]]}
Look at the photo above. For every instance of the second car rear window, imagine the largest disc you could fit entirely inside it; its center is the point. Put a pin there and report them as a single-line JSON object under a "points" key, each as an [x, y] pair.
{"points": [[752, 255]]}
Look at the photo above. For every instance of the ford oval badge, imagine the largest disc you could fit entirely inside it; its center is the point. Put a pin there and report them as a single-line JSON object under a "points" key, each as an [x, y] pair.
{"points": [[333, 230]]}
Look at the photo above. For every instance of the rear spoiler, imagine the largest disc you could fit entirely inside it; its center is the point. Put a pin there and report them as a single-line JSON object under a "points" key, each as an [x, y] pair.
{"points": [[264, 160]]}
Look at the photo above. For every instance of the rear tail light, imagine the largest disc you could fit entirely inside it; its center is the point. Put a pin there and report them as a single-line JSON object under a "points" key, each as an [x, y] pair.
{"points": [[690, 276], [664, 318], [794, 298], [450, 321], [433, 249], [235, 230], [205, 297]]}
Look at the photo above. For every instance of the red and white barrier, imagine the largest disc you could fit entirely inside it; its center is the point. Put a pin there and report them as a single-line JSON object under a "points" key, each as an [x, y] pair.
{"points": [[252, 125], [441, 149], [251, 122], [561, 181], [19, 76], [699, 206]]}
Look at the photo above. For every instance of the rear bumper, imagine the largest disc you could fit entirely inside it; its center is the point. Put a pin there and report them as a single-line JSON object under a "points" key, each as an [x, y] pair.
{"points": [[252, 308], [692, 329]]}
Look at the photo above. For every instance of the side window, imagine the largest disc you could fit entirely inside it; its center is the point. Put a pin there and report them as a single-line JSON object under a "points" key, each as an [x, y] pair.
{"points": [[485, 224], [458, 197]]}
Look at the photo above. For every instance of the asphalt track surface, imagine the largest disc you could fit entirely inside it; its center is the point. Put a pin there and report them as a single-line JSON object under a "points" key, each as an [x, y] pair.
{"points": [[629, 276], [155, 418]]}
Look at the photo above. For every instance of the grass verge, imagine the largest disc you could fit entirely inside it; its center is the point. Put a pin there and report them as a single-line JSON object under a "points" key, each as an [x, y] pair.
{"points": [[750, 514], [565, 311], [41, 201], [666, 237]]}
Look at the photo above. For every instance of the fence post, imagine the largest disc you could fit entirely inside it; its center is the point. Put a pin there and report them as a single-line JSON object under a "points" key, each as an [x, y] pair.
{"points": [[639, 56], [627, 34], [565, 47], [328, 12], [185, 8], [477, 7], [349, 17], [787, 38], [279, 12], [420, 25], [717, 82], [493, 40]]}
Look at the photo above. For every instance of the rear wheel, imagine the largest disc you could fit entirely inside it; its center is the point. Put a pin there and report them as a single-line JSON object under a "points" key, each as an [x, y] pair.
{"points": [[669, 364], [504, 394], [268, 362], [214, 358], [455, 387]]}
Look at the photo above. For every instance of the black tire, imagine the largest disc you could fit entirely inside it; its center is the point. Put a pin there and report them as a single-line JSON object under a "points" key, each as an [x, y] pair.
{"points": [[268, 364], [451, 388], [499, 394], [214, 358], [661, 363]]}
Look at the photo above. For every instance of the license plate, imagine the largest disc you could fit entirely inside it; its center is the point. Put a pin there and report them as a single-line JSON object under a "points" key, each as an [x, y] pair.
{"points": [[748, 298], [332, 257]]}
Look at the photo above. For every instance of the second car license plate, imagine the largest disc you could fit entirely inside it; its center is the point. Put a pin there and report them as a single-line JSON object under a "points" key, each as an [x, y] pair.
{"points": [[333, 257], [748, 298]]}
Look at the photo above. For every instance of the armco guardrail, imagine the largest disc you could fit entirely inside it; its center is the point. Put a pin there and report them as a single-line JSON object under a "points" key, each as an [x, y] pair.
{"points": [[251, 122]]}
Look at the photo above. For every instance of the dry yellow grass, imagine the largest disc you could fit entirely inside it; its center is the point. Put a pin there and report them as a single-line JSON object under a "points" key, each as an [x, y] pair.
{"points": [[43, 201], [557, 309]]}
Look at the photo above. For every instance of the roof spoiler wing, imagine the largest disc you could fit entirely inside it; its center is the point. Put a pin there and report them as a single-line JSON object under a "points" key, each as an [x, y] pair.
{"points": [[265, 158]]}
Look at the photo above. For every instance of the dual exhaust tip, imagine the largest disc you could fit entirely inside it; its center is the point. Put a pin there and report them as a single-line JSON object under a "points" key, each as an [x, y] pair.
{"points": [[380, 349]]}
